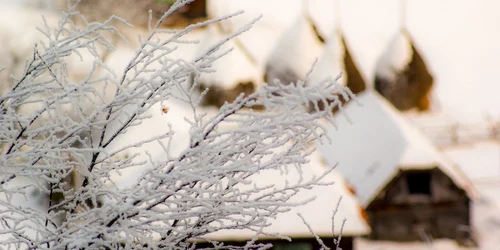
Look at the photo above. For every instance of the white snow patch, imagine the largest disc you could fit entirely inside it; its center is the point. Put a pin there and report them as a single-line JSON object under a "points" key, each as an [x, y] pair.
{"points": [[264, 35], [479, 161], [396, 58], [154, 126], [232, 68], [29, 202], [331, 62], [296, 50], [317, 213]]}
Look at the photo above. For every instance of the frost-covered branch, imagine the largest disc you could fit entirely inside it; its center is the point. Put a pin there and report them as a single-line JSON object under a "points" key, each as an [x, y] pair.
{"points": [[64, 147]]}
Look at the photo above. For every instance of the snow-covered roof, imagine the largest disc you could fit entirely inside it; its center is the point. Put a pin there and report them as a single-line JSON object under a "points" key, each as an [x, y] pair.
{"points": [[263, 36], [156, 125], [331, 61], [231, 69], [396, 58], [462, 65], [336, 59], [317, 213], [295, 52], [378, 144], [478, 161]]}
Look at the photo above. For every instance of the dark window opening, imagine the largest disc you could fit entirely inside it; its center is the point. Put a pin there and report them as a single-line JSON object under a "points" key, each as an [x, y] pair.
{"points": [[419, 183]]}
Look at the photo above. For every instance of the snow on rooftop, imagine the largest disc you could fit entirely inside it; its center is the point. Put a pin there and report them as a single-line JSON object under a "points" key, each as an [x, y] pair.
{"points": [[286, 15], [317, 213], [156, 125], [479, 161], [396, 58], [379, 143], [295, 52], [331, 61], [233, 68], [462, 52], [262, 38]]}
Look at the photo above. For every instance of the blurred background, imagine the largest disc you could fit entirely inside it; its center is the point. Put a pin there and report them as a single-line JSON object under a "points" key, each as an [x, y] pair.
{"points": [[426, 72]]}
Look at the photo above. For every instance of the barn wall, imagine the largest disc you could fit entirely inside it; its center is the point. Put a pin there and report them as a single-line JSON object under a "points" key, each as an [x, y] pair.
{"points": [[398, 215]]}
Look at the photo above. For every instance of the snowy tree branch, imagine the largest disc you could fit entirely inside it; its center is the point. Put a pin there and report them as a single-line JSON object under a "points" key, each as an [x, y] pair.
{"points": [[63, 142]]}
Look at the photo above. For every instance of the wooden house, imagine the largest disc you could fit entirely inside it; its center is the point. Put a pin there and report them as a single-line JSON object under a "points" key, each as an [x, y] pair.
{"points": [[318, 213], [408, 188]]}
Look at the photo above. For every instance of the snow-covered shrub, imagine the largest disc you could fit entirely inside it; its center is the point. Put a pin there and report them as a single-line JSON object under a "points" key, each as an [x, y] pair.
{"points": [[69, 180]]}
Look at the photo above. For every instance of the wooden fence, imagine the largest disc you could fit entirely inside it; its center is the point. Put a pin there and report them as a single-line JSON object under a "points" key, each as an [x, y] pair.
{"points": [[460, 133]]}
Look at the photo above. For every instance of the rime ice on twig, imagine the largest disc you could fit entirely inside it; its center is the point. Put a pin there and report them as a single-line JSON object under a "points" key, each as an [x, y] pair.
{"points": [[60, 141]]}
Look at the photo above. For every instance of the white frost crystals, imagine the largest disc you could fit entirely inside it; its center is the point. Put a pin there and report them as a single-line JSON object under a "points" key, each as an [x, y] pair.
{"points": [[64, 146]]}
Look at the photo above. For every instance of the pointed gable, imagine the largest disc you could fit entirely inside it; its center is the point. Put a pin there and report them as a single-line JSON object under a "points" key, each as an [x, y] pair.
{"points": [[294, 52], [231, 69], [230, 75], [330, 63], [378, 144], [355, 80], [402, 76], [335, 59]]}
